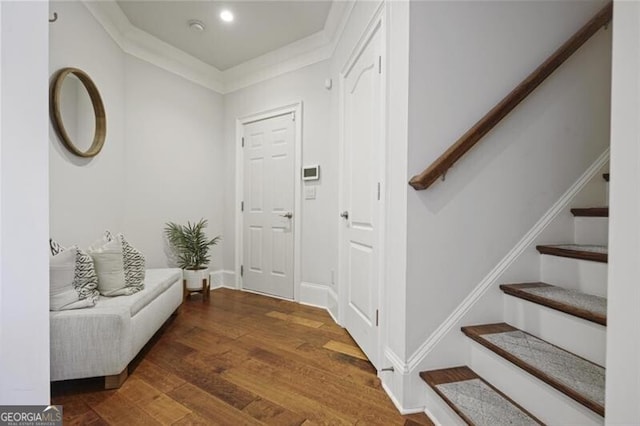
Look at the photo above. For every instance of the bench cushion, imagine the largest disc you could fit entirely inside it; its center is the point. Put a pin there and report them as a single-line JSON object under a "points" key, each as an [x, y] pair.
{"points": [[156, 282]]}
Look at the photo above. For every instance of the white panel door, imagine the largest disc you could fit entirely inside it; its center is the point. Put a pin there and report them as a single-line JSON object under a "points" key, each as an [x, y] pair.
{"points": [[268, 206], [363, 135]]}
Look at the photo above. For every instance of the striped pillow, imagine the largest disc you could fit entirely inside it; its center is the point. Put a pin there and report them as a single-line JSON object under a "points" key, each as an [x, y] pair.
{"points": [[134, 262], [85, 280]]}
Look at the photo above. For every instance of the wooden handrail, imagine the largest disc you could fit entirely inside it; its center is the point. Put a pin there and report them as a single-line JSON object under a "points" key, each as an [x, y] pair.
{"points": [[505, 106]]}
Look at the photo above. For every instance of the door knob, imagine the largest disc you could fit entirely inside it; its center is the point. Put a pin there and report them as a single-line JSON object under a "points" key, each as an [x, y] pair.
{"points": [[344, 214], [288, 215]]}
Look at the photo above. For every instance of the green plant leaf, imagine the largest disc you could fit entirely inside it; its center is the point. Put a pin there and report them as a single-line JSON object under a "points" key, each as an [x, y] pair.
{"points": [[190, 243]]}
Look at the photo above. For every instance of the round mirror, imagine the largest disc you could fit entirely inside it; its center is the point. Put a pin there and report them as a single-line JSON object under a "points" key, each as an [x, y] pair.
{"points": [[78, 113]]}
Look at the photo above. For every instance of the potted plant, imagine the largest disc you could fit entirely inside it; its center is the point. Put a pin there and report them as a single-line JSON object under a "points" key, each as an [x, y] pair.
{"points": [[191, 247]]}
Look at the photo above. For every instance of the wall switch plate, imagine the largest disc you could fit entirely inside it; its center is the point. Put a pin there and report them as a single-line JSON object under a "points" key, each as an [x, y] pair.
{"points": [[310, 193]]}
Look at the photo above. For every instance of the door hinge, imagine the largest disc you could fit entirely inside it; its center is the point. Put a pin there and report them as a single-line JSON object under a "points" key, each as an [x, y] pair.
{"points": [[378, 191], [293, 116], [379, 64], [243, 141], [377, 317], [241, 206], [242, 270]]}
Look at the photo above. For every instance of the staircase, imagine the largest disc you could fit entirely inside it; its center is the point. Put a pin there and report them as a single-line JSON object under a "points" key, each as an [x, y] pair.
{"points": [[550, 350]]}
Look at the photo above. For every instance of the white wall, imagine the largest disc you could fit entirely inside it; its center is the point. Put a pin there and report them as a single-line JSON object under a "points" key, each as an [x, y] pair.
{"points": [[87, 194], [465, 56], [162, 159], [24, 272], [623, 334], [173, 158], [319, 216]]}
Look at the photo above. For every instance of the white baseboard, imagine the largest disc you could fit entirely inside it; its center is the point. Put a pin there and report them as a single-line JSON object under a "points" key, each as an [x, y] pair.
{"points": [[403, 411], [332, 305], [319, 296], [222, 278], [229, 279], [313, 294]]}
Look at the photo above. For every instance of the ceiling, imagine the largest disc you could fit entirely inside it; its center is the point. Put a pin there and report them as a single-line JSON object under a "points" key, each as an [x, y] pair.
{"points": [[259, 27]]}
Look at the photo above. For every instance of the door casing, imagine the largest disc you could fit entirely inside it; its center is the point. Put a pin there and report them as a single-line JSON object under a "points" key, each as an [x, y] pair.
{"points": [[295, 108]]}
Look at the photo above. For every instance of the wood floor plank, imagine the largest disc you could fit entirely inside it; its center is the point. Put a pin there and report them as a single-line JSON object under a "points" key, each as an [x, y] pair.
{"points": [[210, 407], [281, 341], [204, 340], [117, 410], [73, 407], [304, 382], [350, 350], [206, 378], [90, 418], [231, 362], [273, 414], [292, 367], [157, 377], [281, 394], [417, 419], [166, 410], [295, 319], [153, 402], [193, 419]]}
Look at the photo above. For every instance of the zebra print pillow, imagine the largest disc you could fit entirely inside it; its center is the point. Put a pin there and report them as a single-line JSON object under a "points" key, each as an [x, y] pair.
{"points": [[85, 280], [134, 262]]}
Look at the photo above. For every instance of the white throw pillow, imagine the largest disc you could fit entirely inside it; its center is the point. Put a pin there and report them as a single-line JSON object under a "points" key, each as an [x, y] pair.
{"points": [[63, 294], [108, 261]]}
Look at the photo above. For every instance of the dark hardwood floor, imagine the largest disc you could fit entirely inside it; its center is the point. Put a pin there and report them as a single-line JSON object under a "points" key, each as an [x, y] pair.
{"points": [[240, 359]]}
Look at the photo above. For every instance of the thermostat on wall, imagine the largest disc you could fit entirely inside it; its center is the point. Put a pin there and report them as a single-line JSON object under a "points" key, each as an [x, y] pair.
{"points": [[311, 172]]}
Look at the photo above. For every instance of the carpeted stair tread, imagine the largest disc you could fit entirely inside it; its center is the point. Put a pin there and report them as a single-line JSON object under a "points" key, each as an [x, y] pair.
{"points": [[586, 306], [476, 401], [576, 377]]}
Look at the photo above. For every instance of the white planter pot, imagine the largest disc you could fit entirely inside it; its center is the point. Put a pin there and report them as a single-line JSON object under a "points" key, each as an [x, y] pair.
{"points": [[194, 278]]}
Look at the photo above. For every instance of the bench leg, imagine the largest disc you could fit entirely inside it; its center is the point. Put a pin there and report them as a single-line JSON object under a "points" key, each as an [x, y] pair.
{"points": [[115, 381], [206, 290]]}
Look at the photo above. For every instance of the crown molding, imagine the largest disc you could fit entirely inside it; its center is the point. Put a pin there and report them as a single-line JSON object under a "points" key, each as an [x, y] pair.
{"points": [[151, 49], [301, 53]]}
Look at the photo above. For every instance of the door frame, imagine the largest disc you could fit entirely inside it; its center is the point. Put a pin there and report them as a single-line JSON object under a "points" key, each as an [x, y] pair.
{"points": [[377, 23], [296, 109]]}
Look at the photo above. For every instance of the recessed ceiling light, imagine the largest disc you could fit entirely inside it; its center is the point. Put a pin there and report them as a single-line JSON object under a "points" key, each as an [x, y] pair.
{"points": [[196, 25], [226, 16]]}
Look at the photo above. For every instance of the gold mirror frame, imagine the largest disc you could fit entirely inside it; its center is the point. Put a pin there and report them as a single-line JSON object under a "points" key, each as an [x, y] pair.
{"points": [[98, 108]]}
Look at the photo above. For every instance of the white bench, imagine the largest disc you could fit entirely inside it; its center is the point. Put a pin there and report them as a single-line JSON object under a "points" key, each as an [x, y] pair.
{"points": [[103, 340]]}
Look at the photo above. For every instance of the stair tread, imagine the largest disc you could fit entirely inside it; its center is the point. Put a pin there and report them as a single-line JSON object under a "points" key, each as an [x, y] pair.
{"points": [[573, 302], [591, 212], [476, 400], [578, 378], [596, 253]]}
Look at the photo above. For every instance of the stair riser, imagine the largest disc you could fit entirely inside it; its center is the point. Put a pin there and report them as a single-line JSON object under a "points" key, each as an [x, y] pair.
{"points": [[591, 230], [550, 406], [583, 275], [582, 337]]}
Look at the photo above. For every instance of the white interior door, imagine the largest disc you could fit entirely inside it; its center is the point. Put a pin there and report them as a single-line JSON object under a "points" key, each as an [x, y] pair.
{"points": [[363, 136], [269, 179]]}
